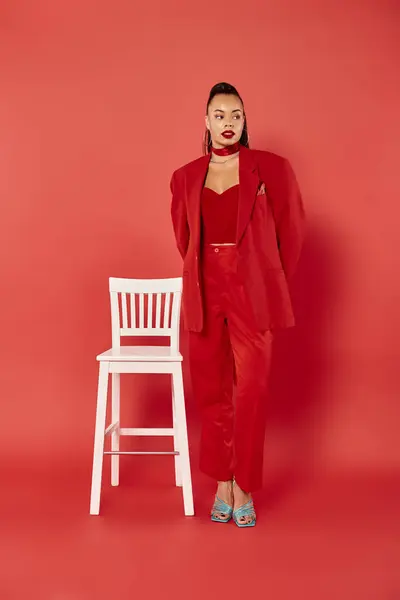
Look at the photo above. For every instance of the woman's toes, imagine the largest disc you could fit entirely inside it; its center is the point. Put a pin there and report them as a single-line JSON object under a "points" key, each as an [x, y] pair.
{"points": [[220, 516]]}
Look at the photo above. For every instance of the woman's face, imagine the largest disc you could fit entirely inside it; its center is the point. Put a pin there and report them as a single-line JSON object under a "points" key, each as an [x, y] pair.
{"points": [[225, 114]]}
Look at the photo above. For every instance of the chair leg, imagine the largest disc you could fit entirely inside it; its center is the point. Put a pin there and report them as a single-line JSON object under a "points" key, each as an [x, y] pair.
{"points": [[178, 472], [99, 438], [183, 440], [115, 416]]}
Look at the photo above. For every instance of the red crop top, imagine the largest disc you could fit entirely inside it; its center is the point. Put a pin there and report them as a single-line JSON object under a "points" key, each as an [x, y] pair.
{"points": [[219, 215]]}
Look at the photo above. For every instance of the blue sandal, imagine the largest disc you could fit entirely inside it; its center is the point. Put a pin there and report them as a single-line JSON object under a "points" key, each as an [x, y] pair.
{"points": [[221, 507], [247, 510]]}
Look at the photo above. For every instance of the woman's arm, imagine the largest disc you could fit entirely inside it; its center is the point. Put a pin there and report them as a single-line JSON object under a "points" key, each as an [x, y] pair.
{"points": [[288, 210], [178, 214]]}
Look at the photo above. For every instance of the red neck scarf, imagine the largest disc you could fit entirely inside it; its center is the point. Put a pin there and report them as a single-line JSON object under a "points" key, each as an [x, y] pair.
{"points": [[227, 150]]}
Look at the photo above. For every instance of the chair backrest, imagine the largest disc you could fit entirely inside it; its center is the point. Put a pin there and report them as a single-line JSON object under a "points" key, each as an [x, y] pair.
{"points": [[145, 307]]}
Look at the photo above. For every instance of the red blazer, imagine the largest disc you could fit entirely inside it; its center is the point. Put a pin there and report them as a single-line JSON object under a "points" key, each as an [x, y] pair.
{"points": [[269, 234]]}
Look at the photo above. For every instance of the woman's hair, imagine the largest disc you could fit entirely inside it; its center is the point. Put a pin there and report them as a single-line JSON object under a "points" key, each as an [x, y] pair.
{"points": [[224, 88]]}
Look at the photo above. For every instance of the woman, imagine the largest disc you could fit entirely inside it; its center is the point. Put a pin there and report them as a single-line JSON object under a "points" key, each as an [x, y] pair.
{"points": [[238, 222]]}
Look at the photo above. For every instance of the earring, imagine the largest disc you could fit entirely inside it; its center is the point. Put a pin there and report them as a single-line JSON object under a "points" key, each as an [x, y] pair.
{"points": [[247, 133]]}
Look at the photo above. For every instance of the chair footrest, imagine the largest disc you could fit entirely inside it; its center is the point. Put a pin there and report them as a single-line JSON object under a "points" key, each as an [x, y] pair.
{"points": [[141, 453], [139, 431], [147, 431]]}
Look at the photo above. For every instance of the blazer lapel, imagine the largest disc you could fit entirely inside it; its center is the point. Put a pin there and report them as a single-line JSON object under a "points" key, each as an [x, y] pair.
{"points": [[194, 185], [248, 180]]}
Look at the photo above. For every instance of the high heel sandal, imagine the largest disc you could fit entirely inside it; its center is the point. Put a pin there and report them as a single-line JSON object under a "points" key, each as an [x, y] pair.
{"points": [[221, 507], [246, 510]]}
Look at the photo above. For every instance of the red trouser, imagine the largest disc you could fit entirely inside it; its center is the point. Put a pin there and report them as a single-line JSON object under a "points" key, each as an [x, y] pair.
{"points": [[232, 438]]}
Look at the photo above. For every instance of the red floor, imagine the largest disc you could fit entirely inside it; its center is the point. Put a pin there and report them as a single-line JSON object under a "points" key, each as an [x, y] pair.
{"points": [[329, 538]]}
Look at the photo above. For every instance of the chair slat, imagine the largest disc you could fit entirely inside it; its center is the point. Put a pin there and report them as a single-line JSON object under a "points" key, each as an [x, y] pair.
{"points": [[158, 311], [124, 310], [150, 310], [141, 310], [133, 310], [166, 310]]}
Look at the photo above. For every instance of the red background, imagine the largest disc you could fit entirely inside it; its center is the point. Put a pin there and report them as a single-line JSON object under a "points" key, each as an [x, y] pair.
{"points": [[99, 103]]}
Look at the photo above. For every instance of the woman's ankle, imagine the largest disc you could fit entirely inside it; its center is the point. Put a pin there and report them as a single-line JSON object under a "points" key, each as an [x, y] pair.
{"points": [[225, 490], [240, 494]]}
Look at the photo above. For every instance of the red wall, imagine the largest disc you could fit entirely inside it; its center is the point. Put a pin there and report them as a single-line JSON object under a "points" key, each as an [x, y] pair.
{"points": [[99, 103]]}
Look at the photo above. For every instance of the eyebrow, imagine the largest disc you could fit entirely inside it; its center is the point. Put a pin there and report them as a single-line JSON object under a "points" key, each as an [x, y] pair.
{"points": [[220, 110]]}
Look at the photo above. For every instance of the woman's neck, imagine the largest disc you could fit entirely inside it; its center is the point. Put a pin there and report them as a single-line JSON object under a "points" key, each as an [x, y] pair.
{"points": [[223, 159]]}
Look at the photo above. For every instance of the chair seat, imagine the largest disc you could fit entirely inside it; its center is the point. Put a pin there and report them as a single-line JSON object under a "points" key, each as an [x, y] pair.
{"points": [[141, 354]]}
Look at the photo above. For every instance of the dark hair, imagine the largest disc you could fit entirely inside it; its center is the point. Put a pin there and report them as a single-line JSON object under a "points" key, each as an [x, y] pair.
{"points": [[224, 88]]}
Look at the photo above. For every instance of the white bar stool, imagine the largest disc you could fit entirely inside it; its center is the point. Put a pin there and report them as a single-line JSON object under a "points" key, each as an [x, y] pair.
{"points": [[142, 307]]}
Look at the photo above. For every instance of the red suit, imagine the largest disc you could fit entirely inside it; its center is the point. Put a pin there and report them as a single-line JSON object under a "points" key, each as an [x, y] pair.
{"points": [[233, 297]]}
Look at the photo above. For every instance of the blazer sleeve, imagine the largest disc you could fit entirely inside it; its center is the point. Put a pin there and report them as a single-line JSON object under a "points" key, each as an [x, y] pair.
{"points": [[288, 211], [179, 215]]}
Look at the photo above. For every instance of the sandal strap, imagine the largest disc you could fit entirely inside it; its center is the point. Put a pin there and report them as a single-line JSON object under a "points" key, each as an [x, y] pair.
{"points": [[221, 507], [247, 510]]}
